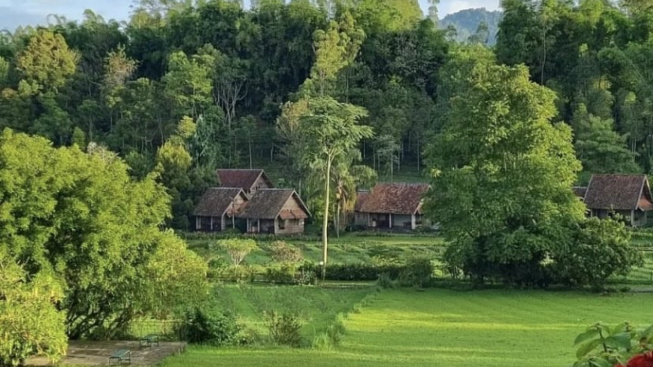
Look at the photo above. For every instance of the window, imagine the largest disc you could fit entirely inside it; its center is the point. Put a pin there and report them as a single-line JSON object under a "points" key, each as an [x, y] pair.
{"points": [[282, 224]]}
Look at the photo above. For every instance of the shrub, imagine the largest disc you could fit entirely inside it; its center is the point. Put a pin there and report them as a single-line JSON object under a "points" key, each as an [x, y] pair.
{"points": [[360, 272], [281, 274], [385, 281], [418, 272], [238, 249], [598, 250], [29, 322], [284, 329], [209, 326], [282, 252]]}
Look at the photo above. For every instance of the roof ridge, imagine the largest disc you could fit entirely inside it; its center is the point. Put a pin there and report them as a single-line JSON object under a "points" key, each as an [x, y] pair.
{"points": [[240, 169]]}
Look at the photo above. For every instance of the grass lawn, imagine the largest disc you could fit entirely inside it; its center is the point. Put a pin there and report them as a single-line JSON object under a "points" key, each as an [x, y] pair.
{"points": [[349, 248], [317, 307], [452, 329]]}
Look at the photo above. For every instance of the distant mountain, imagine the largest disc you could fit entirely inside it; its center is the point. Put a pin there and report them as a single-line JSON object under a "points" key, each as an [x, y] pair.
{"points": [[467, 21]]}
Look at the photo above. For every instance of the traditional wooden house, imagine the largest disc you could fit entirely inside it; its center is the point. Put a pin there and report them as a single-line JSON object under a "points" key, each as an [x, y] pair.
{"points": [[218, 207], [391, 205], [626, 195], [249, 180], [275, 211]]}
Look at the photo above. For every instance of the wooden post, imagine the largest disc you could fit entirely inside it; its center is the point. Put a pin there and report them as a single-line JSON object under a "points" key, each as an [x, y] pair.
{"points": [[389, 220], [632, 218], [211, 223], [413, 222]]}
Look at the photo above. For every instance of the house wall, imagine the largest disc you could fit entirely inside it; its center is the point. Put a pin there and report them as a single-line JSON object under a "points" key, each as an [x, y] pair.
{"points": [[203, 224], [289, 226], [637, 218], [362, 219], [401, 221], [640, 218]]}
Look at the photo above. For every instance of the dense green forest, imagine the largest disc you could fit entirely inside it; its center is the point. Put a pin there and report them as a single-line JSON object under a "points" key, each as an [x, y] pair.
{"points": [[186, 87]]}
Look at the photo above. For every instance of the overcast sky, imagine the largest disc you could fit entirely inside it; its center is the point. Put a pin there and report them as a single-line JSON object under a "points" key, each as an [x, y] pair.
{"points": [[15, 12]]}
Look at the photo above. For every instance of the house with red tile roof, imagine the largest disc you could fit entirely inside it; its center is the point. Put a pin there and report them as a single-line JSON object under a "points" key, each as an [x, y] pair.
{"points": [[626, 195], [249, 180], [391, 205]]}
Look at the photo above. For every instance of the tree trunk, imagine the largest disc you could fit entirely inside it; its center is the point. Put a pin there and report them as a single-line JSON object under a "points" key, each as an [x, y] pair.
{"points": [[338, 219], [419, 154], [250, 151], [325, 221], [543, 54]]}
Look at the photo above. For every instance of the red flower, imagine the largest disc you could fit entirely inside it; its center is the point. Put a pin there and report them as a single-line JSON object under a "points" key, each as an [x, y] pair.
{"points": [[640, 360]]}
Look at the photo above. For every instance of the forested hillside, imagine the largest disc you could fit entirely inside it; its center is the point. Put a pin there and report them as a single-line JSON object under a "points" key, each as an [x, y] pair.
{"points": [[473, 22], [181, 90]]}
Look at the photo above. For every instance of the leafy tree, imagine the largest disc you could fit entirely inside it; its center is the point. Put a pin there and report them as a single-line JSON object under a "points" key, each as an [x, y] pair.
{"points": [[47, 62], [238, 249], [180, 278], [187, 85], [4, 71], [29, 322], [347, 177], [184, 181], [81, 218], [329, 131], [502, 173], [599, 147]]}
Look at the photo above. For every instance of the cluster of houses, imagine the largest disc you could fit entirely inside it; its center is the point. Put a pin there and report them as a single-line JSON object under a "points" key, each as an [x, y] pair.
{"points": [[247, 201]]}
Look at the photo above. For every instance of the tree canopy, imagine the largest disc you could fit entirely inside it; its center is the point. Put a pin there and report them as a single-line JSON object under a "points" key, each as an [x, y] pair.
{"points": [[79, 218]]}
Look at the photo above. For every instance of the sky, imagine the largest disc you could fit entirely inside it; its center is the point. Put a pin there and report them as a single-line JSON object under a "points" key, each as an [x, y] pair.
{"points": [[17, 12]]}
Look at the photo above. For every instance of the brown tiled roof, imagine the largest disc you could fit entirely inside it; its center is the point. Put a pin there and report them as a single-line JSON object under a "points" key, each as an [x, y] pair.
{"points": [[360, 199], [242, 178], [580, 191], [394, 198], [617, 192], [216, 201], [268, 203]]}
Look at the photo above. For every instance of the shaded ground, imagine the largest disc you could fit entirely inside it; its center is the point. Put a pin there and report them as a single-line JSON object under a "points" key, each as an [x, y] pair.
{"points": [[97, 353]]}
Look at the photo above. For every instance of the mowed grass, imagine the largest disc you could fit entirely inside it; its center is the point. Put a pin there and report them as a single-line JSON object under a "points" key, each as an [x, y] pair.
{"points": [[452, 329]]}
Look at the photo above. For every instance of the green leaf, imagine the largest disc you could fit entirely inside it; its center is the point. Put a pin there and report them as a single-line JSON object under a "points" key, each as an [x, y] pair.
{"points": [[619, 341], [648, 331], [586, 336], [587, 347], [599, 362]]}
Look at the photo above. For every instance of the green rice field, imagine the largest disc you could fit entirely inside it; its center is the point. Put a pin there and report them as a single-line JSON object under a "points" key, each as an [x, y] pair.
{"points": [[448, 328]]}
